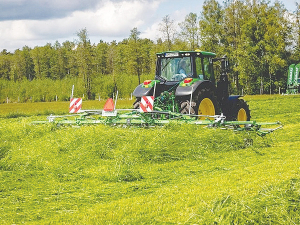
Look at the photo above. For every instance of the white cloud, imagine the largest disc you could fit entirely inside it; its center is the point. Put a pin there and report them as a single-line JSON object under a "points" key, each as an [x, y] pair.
{"points": [[108, 19], [151, 32]]}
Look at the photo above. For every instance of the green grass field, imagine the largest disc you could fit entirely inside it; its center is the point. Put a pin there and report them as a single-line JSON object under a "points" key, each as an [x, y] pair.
{"points": [[176, 174]]}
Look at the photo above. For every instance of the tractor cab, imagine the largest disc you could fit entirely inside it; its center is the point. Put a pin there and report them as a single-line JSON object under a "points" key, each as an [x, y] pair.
{"points": [[176, 66], [175, 69]]}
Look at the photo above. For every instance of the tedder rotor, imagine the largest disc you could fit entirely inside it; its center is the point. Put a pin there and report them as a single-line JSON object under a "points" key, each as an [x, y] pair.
{"points": [[150, 116]]}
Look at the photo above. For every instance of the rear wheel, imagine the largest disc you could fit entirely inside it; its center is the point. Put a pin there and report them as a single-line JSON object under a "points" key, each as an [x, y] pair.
{"points": [[204, 103]]}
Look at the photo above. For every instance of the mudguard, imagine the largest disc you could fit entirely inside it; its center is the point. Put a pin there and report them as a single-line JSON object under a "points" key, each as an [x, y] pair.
{"points": [[233, 98], [140, 91], [187, 90], [229, 104]]}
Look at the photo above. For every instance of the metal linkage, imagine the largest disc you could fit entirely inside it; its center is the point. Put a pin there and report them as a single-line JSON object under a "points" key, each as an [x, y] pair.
{"points": [[156, 118]]}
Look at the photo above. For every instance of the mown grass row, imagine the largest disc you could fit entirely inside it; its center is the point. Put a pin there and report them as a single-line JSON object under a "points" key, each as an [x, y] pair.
{"points": [[15, 110], [171, 174]]}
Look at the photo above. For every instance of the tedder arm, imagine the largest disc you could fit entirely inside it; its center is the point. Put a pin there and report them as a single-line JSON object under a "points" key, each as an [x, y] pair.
{"points": [[156, 118]]}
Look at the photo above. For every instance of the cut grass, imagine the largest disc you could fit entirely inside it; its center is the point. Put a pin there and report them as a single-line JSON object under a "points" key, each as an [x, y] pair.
{"points": [[15, 110], [172, 174]]}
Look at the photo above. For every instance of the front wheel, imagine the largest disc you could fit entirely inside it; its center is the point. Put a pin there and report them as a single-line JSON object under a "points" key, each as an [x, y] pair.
{"points": [[136, 104], [204, 103], [207, 107]]}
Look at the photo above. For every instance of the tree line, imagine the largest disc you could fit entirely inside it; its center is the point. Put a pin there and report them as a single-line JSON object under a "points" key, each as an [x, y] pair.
{"points": [[259, 38]]}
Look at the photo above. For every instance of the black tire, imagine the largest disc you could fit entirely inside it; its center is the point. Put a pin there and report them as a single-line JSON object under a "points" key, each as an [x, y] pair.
{"points": [[185, 107], [136, 104], [240, 111], [204, 102]]}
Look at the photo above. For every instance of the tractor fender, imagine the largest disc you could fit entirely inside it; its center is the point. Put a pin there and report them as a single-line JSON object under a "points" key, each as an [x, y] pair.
{"points": [[233, 98], [186, 91], [229, 104], [141, 91]]}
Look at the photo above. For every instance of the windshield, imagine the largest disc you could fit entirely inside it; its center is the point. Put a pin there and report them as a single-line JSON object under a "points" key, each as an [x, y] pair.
{"points": [[175, 69]]}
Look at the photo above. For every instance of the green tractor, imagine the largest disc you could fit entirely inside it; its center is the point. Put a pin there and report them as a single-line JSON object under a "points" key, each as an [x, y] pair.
{"points": [[185, 83]]}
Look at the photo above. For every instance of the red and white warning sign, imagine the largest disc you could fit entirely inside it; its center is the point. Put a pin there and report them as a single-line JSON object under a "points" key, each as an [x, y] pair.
{"points": [[75, 105], [147, 104]]}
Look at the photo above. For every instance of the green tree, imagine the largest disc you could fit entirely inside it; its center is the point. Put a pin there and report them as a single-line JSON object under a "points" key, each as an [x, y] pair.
{"points": [[59, 61], [5, 64], [148, 56], [135, 55], [168, 31], [211, 26], [29, 66], [18, 69], [190, 30], [37, 58], [265, 34], [235, 15], [101, 54], [71, 66], [296, 35], [122, 58], [85, 56], [43, 61]]}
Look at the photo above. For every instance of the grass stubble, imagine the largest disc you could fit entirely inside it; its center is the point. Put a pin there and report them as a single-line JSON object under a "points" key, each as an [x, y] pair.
{"points": [[176, 174]]}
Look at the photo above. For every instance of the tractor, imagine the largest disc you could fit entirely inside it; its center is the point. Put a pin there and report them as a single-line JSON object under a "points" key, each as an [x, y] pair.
{"points": [[185, 83]]}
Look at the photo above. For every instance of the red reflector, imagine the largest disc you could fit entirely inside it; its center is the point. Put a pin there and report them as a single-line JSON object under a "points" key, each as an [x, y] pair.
{"points": [[146, 82], [187, 80], [109, 105]]}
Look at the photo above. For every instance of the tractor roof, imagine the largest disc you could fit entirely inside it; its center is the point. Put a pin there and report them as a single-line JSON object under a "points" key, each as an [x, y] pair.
{"points": [[185, 53]]}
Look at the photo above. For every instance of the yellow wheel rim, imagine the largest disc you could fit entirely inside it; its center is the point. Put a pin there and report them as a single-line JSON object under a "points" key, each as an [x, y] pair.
{"points": [[206, 107], [242, 115]]}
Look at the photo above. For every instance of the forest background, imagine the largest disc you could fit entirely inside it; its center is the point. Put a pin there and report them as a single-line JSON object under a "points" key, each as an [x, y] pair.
{"points": [[261, 40]]}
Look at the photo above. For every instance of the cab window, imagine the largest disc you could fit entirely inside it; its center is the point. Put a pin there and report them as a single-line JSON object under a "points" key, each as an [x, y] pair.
{"points": [[199, 69], [175, 69], [208, 69], [204, 68]]}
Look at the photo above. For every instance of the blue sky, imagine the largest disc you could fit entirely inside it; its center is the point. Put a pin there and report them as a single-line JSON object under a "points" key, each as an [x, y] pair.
{"points": [[38, 22]]}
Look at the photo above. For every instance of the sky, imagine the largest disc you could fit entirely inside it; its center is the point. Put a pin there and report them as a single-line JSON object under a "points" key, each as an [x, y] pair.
{"points": [[38, 22]]}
